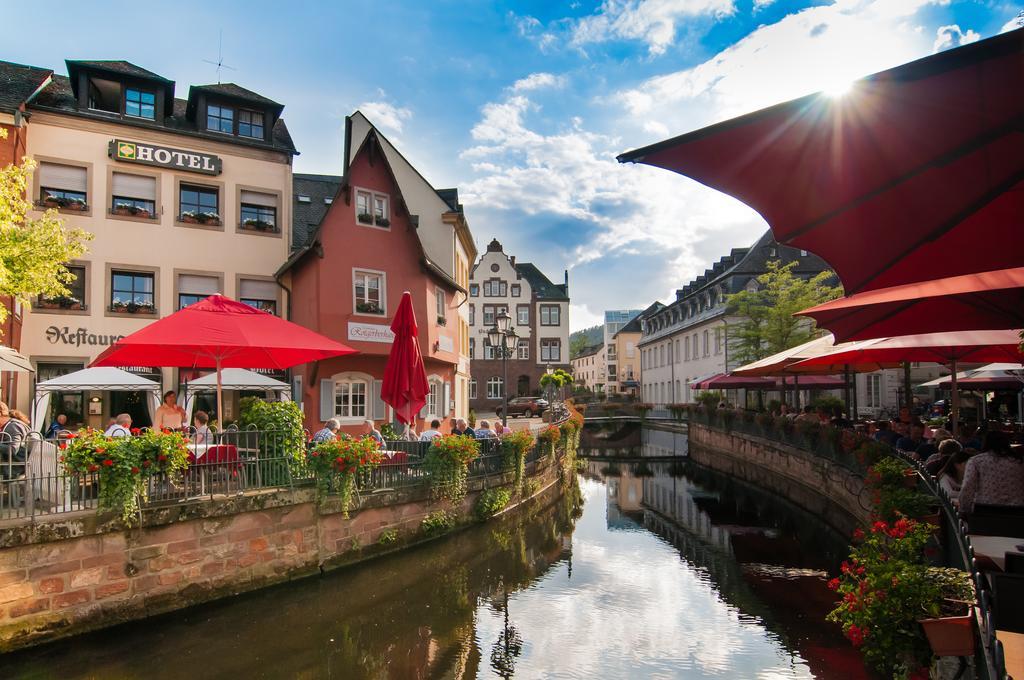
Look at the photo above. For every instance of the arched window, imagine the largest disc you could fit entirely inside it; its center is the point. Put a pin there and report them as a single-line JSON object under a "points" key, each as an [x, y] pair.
{"points": [[434, 397], [495, 388], [350, 397]]}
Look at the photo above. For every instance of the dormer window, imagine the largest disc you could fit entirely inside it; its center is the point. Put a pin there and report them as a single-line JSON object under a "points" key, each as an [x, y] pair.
{"points": [[250, 124], [372, 208], [139, 103], [220, 119]]}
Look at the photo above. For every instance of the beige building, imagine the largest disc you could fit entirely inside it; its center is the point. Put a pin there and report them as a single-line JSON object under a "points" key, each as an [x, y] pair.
{"points": [[589, 369], [627, 352], [186, 197]]}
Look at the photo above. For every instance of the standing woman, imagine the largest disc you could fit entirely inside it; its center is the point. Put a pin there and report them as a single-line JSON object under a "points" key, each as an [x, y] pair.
{"points": [[169, 415]]}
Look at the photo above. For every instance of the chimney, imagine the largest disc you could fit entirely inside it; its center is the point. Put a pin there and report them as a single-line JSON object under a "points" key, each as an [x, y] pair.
{"points": [[512, 260]]}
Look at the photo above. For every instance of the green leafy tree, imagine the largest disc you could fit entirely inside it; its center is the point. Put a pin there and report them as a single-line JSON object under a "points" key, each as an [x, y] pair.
{"points": [[33, 252], [767, 323]]}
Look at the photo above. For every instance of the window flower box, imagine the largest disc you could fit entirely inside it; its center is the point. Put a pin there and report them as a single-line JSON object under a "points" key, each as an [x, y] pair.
{"points": [[365, 218], [60, 302], [368, 308], [210, 219], [382, 222], [133, 307], [259, 225], [73, 204], [129, 210]]}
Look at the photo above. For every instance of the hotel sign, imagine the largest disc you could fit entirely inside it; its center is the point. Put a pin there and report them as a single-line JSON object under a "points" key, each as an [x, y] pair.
{"points": [[370, 332], [164, 157]]}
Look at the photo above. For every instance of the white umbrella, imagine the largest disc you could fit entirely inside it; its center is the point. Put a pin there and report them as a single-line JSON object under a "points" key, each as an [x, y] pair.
{"points": [[10, 360]]}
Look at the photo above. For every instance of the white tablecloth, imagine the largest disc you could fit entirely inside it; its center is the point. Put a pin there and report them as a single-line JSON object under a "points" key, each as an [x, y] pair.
{"points": [[995, 547]]}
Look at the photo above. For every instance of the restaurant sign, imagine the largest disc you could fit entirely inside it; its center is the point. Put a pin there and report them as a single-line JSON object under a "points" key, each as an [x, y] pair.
{"points": [[370, 332], [79, 337], [164, 157]]}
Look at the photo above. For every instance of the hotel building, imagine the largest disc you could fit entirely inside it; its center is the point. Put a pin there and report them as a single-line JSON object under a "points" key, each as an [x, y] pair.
{"points": [[540, 317], [186, 197], [360, 240], [627, 352]]}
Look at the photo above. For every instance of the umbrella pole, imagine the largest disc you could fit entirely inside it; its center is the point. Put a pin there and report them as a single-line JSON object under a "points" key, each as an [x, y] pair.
{"points": [[796, 391], [846, 379], [220, 398], [907, 394], [954, 410]]}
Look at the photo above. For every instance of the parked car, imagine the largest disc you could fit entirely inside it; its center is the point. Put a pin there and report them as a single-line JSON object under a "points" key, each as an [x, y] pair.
{"points": [[525, 406]]}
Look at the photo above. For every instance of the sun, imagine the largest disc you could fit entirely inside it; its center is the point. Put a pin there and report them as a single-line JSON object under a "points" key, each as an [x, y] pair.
{"points": [[838, 87]]}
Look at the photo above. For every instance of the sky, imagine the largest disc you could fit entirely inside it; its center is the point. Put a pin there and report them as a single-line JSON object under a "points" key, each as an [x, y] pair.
{"points": [[524, 105]]}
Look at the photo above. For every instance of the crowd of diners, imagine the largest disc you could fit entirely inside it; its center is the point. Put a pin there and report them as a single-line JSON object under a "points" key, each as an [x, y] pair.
{"points": [[456, 426], [979, 467]]}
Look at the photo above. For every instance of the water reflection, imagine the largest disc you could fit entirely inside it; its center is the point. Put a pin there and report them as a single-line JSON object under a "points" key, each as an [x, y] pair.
{"points": [[655, 568]]}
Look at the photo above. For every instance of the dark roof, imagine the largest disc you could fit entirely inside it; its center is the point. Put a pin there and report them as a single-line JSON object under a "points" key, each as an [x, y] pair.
{"points": [[306, 217], [541, 285], [451, 197], [236, 91], [17, 83], [58, 96], [120, 67], [589, 351], [634, 326]]}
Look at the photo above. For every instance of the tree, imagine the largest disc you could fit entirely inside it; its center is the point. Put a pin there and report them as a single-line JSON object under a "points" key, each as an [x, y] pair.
{"points": [[767, 323], [33, 252]]}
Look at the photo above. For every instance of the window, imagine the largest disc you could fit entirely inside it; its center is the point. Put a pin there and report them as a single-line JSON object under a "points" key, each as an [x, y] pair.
{"points": [[550, 315], [523, 315], [139, 103], [75, 298], [258, 211], [132, 292], [434, 398], [250, 124], [220, 119], [259, 294], [63, 186], [380, 210], [369, 293], [133, 195], [524, 348], [517, 290], [363, 207], [442, 306], [472, 348], [350, 398], [491, 312], [372, 208], [197, 204], [489, 352], [472, 315], [874, 390], [707, 344], [718, 340], [495, 288], [474, 290], [495, 388], [192, 288], [472, 389], [551, 349]]}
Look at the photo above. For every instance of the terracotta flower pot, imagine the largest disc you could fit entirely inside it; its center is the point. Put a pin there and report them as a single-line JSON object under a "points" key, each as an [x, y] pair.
{"points": [[950, 635], [189, 219]]}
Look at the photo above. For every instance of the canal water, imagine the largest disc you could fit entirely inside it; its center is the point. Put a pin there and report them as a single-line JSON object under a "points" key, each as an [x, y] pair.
{"points": [[655, 568]]}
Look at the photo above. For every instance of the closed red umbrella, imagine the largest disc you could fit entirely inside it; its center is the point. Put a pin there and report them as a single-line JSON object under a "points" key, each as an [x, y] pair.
{"points": [[218, 333], [992, 300], [915, 171], [405, 385]]}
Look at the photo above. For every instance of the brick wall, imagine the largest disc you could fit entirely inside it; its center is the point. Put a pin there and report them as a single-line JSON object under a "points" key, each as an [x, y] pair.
{"points": [[84, 571]]}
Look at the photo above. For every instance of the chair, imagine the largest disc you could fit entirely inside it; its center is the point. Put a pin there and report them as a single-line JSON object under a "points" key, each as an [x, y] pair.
{"points": [[1008, 601], [1014, 563], [222, 464], [994, 520]]}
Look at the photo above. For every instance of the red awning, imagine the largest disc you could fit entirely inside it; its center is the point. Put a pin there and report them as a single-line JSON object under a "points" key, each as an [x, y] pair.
{"points": [[813, 382], [405, 385], [917, 172], [724, 381], [940, 348], [986, 301]]}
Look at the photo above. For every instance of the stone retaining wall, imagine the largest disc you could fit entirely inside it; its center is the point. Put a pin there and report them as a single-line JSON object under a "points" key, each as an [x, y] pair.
{"points": [[82, 571], [816, 484]]}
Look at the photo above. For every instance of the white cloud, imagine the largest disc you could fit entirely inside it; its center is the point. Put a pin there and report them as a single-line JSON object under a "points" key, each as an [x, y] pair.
{"points": [[951, 36], [385, 115], [654, 22], [537, 81], [1013, 24], [761, 4]]}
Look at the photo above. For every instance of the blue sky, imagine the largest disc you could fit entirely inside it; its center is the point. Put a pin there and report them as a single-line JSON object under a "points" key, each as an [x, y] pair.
{"points": [[523, 106]]}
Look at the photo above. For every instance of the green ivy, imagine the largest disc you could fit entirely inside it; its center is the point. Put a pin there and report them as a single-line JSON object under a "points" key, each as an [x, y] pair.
{"points": [[437, 522], [490, 502], [284, 418]]}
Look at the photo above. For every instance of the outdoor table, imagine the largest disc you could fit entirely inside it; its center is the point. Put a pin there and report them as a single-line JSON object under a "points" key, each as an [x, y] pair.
{"points": [[995, 548], [395, 456], [1013, 652]]}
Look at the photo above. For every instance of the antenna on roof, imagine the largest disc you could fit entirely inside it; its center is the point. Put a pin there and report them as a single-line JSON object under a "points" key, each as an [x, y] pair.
{"points": [[220, 57]]}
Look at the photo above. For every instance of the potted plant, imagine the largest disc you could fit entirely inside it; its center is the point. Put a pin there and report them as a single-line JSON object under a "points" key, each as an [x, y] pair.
{"points": [[257, 225], [124, 209], [365, 218], [368, 308], [189, 217], [949, 625], [382, 222], [208, 218], [75, 204]]}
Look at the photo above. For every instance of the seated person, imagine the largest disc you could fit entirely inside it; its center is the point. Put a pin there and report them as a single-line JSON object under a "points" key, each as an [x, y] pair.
{"points": [[951, 475], [121, 426], [462, 428], [839, 418], [484, 431], [13, 433], [202, 421], [59, 424], [370, 430], [807, 416], [914, 440], [993, 477], [885, 434], [434, 431], [329, 431]]}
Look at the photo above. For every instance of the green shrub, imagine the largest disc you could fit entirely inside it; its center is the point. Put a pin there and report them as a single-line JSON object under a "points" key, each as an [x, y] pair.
{"points": [[284, 419], [437, 523], [471, 418], [388, 537], [828, 403], [447, 462], [490, 502], [710, 398]]}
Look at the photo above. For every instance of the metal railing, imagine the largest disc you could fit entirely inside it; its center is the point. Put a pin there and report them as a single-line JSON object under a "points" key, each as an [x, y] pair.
{"points": [[35, 484], [838, 447]]}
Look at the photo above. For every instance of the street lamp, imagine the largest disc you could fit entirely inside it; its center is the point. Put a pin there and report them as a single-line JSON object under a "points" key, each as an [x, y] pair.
{"points": [[550, 372], [502, 337]]}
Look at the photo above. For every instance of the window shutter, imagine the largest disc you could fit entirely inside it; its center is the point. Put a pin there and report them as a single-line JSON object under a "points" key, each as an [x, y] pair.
{"points": [[67, 177], [297, 389], [445, 405], [191, 284], [326, 399], [133, 186], [252, 289], [257, 198], [378, 403]]}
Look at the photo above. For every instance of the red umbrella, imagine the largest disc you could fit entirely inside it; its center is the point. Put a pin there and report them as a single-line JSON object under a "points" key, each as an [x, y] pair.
{"points": [[917, 168], [813, 382], [724, 381], [405, 385], [941, 348], [219, 332], [987, 301]]}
